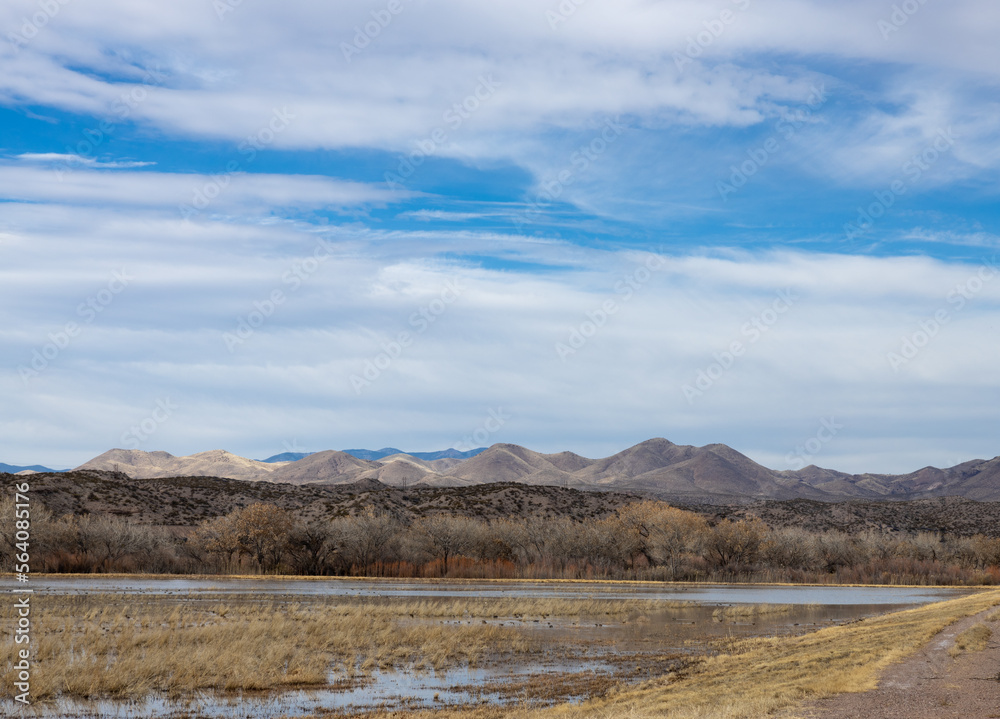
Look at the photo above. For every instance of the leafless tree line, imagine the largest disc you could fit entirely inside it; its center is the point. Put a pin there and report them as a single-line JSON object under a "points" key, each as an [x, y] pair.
{"points": [[644, 540]]}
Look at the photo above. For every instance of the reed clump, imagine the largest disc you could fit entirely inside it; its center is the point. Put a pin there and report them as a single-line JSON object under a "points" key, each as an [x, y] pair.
{"points": [[747, 612], [519, 607]]}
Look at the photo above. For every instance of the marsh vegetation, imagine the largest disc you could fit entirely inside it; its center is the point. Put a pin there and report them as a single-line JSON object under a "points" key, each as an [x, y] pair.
{"points": [[645, 540], [162, 653]]}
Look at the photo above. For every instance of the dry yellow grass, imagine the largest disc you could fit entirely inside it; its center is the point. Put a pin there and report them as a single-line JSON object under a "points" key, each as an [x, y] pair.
{"points": [[765, 676], [973, 639], [106, 645], [762, 677], [744, 612], [518, 607], [129, 646]]}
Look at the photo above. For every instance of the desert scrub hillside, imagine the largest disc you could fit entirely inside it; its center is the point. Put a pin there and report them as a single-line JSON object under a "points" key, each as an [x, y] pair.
{"points": [[950, 516], [493, 531], [186, 501]]}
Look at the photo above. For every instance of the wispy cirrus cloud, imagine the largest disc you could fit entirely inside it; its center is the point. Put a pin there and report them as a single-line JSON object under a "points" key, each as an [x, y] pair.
{"points": [[69, 159]]}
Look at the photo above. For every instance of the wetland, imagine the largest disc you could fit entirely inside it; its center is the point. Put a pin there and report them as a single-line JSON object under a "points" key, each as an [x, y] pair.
{"points": [[271, 647]]}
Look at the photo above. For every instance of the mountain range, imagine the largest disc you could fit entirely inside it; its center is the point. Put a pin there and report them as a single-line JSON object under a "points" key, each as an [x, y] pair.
{"points": [[377, 454], [714, 473], [14, 469]]}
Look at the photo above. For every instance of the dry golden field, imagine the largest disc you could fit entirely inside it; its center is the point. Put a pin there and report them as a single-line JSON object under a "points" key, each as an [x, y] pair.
{"points": [[131, 646]]}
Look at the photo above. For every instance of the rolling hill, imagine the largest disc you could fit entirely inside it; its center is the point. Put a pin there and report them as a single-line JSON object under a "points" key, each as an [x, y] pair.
{"points": [[377, 454], [714, 473], [149, 465]]}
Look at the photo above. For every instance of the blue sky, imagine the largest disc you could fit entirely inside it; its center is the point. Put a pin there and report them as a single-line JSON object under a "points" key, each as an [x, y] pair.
{"points": [[265, 228]]}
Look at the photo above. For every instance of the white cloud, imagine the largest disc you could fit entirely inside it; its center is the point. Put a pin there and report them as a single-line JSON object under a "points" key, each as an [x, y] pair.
{"points": [[67, 159], [604, 60], [74, 214], [492, 345], [221, 192]]}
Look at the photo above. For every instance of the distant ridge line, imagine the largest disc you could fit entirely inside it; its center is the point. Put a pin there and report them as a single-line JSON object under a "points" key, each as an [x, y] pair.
{"points": [[376, 454], [656, 467]]}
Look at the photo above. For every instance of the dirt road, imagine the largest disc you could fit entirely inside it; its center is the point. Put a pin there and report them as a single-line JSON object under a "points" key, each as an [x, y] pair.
{"points": [[930, 684]]}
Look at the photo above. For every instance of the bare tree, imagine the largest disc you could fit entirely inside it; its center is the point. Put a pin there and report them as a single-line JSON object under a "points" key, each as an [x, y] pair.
{"points": [[262, 530], [836, 549], [661, 533], [311, 544], [501, 539], [109, 539], [790, 548], [47, 534], [736, 542], [447, 536], [217, 537], [370, 537]]}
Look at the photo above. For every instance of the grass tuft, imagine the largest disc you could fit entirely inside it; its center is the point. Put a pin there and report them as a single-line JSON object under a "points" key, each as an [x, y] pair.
{"points": [[973, 639]]}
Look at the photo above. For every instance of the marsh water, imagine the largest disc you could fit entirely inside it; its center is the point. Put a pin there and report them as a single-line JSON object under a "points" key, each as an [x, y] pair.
{"points": [[579, 655], [704, 593]]}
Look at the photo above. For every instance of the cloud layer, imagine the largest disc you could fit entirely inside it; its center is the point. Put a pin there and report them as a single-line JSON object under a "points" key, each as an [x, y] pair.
{"points": [[370, 224]]}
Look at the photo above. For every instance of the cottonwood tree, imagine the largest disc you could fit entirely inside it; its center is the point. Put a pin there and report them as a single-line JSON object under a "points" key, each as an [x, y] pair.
{"points": [[47, 533], [216, 537], [369, 537], [262, 530], [608, 543], [311, 544], [446, 536], [538, 538], [562, 540], [501, 539], [837, 550], [986, 550], [736, 542], [661, 533], [109, 539], [790, 548], [675, 534]]}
